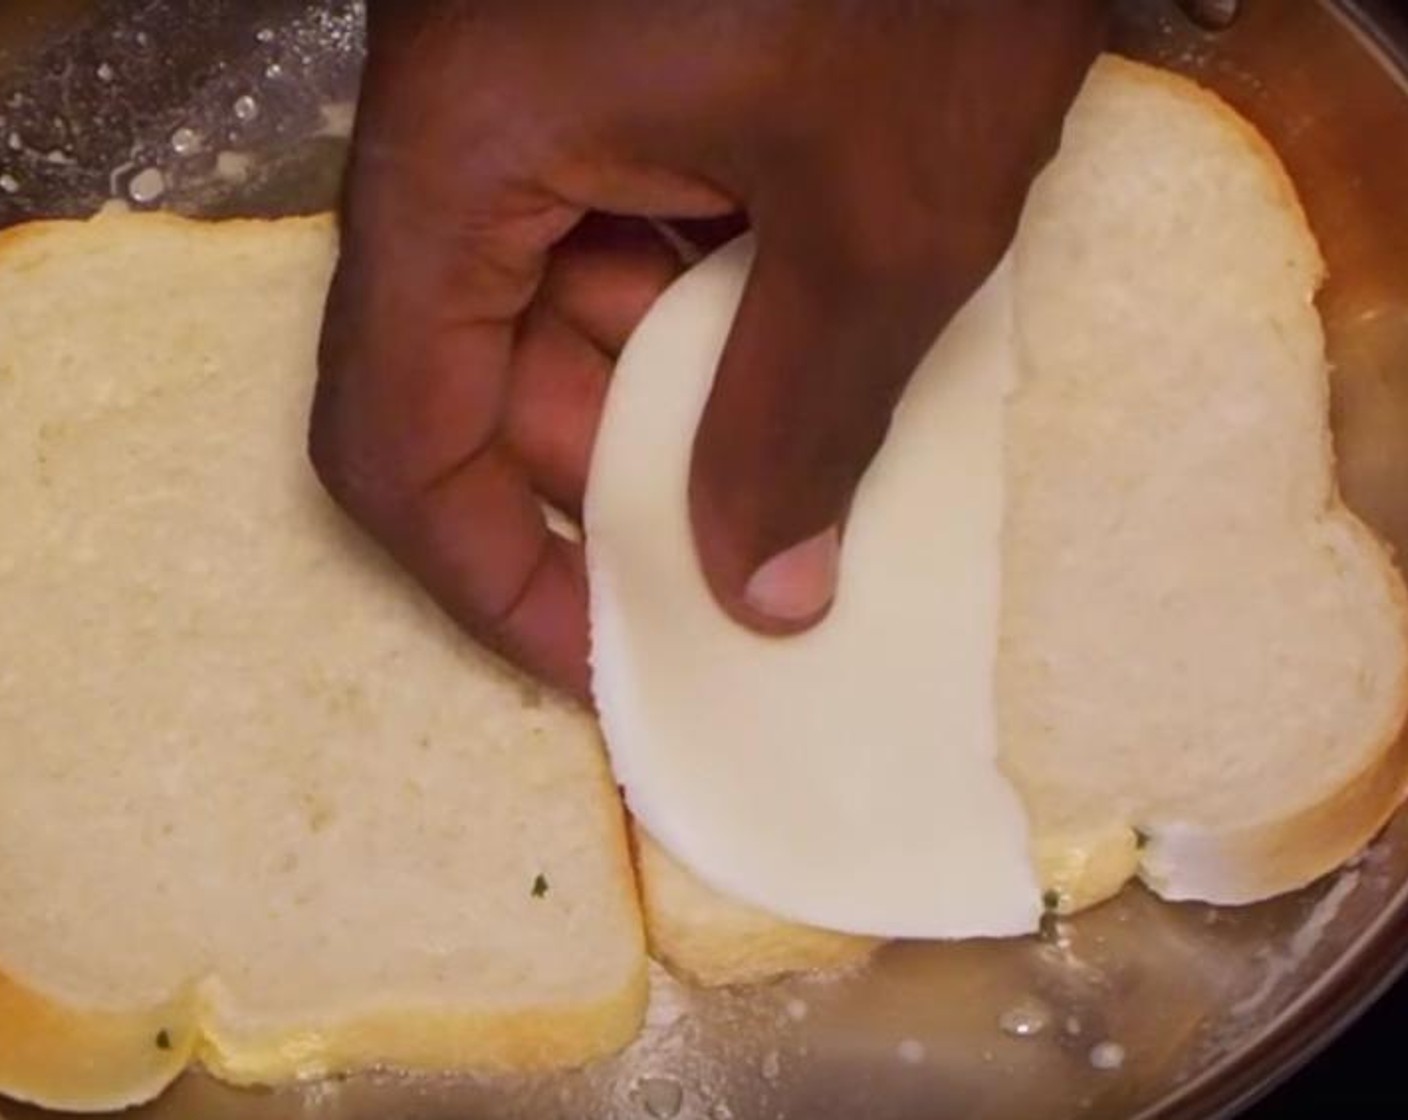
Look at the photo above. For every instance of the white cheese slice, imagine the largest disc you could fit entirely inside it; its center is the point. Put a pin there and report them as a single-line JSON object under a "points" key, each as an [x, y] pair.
{"points": [[847, 777]]}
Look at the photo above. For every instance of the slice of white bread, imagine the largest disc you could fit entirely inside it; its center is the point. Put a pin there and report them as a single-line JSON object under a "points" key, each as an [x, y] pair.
{"points": [[712, 940], [1204, 664], [1203, 671], [262, 806]]}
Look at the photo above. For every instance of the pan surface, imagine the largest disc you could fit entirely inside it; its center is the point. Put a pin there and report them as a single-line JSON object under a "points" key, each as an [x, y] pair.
{"points": [[1140, 1008]]}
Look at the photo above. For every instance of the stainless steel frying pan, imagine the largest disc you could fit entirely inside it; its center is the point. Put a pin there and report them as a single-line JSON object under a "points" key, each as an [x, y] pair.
{"points": [[1138, 1009]]}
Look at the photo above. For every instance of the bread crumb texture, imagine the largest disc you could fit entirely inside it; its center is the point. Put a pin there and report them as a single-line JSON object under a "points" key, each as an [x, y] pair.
{"points": [[711, 940], [263, 807], [1204, 669]]}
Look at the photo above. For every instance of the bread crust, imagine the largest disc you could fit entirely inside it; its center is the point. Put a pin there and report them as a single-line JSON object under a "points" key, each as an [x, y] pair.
{"points": [[100, 1061], [713, 941], [1261, 859]]}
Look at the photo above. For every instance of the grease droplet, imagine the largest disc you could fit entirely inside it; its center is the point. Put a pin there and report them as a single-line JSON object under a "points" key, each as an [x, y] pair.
{"points": [[911, 1052], [1107, 1056], [245, 108], [1026, 1020], [105, 72], [147, 185], [233, 167], [662, 1096], [185, 141], [9, 184]]}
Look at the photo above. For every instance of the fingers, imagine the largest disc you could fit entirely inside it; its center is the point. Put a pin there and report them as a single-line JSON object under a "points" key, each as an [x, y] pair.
{"points": [[560, 380], [602, 280], [820, 351], [482, 549], [703, 235], [867, 245], [605, 276], [412, 392], [469, 529]]}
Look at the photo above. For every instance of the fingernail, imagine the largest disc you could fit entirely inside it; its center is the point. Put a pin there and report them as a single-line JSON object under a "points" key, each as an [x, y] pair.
{"points": [[797, 584]]}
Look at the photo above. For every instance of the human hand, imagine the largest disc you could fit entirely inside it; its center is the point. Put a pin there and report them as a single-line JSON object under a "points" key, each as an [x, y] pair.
{"points": [[882, 151]]}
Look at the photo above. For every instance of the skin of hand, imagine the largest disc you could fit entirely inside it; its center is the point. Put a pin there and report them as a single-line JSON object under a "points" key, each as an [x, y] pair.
{"points": [[495, 258]]}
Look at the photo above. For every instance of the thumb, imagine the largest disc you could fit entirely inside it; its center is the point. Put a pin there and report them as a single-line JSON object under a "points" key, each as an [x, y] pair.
{"points": [[820, 351]]}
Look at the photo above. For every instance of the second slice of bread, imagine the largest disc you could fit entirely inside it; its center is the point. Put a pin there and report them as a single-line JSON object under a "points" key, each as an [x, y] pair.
{"points": [[1203, 672], [1204, 667]]}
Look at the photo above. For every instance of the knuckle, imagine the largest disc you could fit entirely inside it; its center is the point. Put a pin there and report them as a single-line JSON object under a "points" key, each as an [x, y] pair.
{"points": [[347, 471], [325, 454]]}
